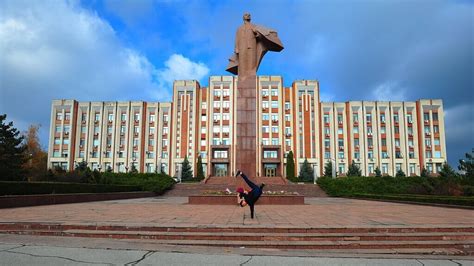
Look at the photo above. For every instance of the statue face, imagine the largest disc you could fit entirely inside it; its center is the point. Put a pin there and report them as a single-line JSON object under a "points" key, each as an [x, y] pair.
{"points": [[247, 16]]}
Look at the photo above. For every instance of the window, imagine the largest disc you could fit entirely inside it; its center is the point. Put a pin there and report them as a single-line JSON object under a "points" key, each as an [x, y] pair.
{"points": [[339, 118], [274, 117], [411, 154], [220, 154], [265, 129], [122, 129], [340, 155], [274, 129], [265, 141], [384, 155], [59, 116], [383, 130], [326, 143], [428, 154], [81, 154], [385, 168], [397, 130], [203, 118], [216, 129], [398, 167], [395, 118], [56, 153], [165, 118], [265, 92], [371, 168], [109, 130], [96, 130], [340, 131], [356, 130], [327, 155], [57, 141], [203, 142], [151, 142], [152, 130], [356, 155], [356, 142], [397, 142], [275, 141], [274, 92], [342, 169], [265, 104], [270, 154], [384, 142], [370, 154], [66, 141], [96, 116], [355, 117], [136, 130], [326, 118], [136, 116], [436, 129], [164, 154], [437, 154], [217, 104], [428, 142], [382, 118], [67, 116], [368, 117], [123, 116], [164, 143], [150, 168], [426, 116], [436, 141], [225, 117], [150, 155], [225, 141], [287, 117], [287, 106], [66, 129], [398, 155], [225, 92], [412, 169], [111, 117], [274, 104], [427, 129], [435, 116], [83, 116]]}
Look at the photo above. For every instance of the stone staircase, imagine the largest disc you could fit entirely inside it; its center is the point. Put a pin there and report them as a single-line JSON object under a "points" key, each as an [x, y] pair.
{"points": [[189, 189], [434, 241]]}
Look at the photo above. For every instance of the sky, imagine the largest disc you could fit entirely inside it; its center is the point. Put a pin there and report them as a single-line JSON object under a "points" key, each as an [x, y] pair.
{"points": [[125, 50]]}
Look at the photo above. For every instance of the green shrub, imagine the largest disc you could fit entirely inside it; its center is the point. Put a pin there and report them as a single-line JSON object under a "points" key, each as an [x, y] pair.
{"points": [[157, 183], [451, 200], [33, 188]]}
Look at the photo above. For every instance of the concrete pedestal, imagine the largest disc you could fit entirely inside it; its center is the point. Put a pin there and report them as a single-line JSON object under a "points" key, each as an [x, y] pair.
{"points": [[246, 132]]}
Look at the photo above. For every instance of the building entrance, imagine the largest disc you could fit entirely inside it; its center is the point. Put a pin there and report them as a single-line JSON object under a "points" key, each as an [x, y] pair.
{"points": [[270, 169], [220, 169]]}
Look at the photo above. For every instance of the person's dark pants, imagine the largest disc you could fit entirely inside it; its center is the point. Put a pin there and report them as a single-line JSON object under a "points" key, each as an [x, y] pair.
{"points": [[256, 191]]}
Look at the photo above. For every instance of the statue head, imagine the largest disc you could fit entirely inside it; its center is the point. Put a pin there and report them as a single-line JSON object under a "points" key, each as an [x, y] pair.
{"points": [[247, 17]]}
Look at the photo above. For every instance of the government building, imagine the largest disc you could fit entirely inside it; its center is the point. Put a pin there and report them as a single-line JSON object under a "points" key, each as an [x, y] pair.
{"points": [[201, 121]]}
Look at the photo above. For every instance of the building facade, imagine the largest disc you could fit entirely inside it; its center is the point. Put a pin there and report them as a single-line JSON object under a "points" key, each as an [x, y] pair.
{"points": [[200, 121]]}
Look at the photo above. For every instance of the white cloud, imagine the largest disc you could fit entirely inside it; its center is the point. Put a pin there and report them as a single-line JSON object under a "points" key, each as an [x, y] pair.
{"points": [[389, 91], [178, 67], [56, 50]]}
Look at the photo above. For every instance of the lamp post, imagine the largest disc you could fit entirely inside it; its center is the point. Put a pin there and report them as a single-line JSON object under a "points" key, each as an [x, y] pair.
{"points": [[333, 170], [315, 176]]}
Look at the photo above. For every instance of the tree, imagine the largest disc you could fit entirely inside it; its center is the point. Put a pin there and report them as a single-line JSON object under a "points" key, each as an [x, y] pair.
{"points": [[467, 165], [378, 173], [290, 167], [186, 172], [328, 169], [424, 172], [12, 151], [306, 172], [400, 173], [200, 171], [134, 169], [82, 166], [354, 170], [37, 159], [447, 171]]}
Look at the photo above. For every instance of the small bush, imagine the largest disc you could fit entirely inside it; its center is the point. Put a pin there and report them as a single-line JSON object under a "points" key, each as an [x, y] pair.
{"points": [[34, 188]]}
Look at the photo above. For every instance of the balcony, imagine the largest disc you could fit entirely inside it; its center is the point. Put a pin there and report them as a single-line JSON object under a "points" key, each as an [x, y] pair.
{"points": [[341, 148], [427, 122], [274, 121]]}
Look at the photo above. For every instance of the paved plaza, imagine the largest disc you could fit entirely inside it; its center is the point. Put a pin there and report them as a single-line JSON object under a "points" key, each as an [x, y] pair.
{"points": [[175, 212]]}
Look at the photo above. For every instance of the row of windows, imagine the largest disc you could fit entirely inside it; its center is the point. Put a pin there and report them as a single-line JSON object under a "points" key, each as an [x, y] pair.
{"points": [[368, 117], [110, 117]]}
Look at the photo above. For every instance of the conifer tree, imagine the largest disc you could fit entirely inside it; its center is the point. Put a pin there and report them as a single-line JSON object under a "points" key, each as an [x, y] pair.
{"points": [[12, 151], [200, 171], [354, 170], [186, 172], [290, 167], [378, 173], [328, 169], [306, 172]]}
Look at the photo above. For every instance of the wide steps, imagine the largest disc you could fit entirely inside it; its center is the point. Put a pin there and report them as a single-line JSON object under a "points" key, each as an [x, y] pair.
{"points": [[457, 239]]}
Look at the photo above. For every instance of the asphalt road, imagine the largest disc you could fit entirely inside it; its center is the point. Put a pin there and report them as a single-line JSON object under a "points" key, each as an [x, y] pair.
{"points": [[28, 254]]}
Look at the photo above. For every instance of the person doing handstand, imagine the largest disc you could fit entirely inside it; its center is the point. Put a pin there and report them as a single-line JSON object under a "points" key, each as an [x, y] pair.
{"points": [[248, 197]]}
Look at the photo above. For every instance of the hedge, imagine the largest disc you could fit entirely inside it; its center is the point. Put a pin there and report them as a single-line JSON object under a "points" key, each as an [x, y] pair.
{"points": [[33, 188], [451, 200], [157, 183]]}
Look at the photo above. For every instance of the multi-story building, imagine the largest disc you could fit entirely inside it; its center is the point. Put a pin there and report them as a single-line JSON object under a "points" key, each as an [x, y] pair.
{"points": [[200, 121]]}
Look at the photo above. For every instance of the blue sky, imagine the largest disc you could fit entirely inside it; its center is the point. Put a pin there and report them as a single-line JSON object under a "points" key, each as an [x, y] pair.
{"points": [[134, 49]]}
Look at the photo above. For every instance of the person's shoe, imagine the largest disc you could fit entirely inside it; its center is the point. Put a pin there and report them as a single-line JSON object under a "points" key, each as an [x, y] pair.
{"points": [[238, 173], [262, 185]]}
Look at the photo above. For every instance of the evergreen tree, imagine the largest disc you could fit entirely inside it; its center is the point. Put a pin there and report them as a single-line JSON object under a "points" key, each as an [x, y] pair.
{"points": [[354, 170], [186, 172], [447, 171], [328, 169], [82, 166], [290, 167], [400, 173], [134, 169], [12, 151], [424, 172], [200, 171], [306, 173], [467, 166], [378, 173]]}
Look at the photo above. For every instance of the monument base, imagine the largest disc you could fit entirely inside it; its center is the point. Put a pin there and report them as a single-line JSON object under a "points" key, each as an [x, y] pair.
{"points": [[246, 131]]}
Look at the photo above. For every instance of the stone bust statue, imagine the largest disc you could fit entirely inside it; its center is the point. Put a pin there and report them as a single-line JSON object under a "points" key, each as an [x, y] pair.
{"points": [[251, 44]]}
